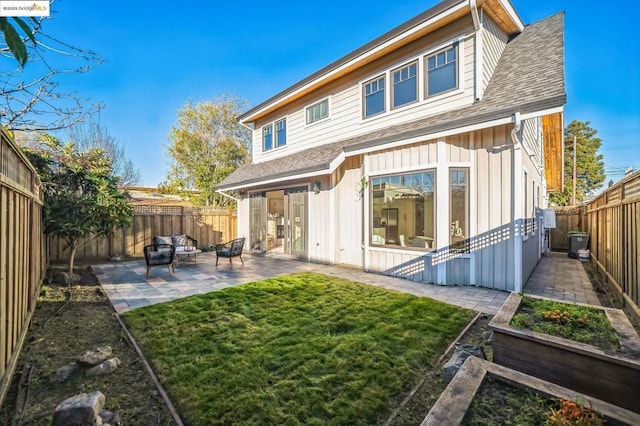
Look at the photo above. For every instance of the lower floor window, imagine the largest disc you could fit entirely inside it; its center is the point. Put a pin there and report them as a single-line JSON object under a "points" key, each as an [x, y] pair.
{"points": [[403, 210]]}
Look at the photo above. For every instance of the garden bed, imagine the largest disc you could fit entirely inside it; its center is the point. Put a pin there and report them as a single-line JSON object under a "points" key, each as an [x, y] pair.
{"points": [[539, 396], [612, 375]]}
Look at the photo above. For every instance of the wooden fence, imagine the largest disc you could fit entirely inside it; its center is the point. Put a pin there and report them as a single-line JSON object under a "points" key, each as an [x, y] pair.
{"points": [[567, 219], [207, 225], [613, 223], [23, 253]]}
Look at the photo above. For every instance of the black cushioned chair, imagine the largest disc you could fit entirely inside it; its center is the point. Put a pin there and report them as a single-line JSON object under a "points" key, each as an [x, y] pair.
{"points": [[230, 250], [159, 255]]}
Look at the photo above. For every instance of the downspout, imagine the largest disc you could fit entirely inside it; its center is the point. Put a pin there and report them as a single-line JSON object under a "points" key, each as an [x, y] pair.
{"points": [[516, 202], [478, 59]]}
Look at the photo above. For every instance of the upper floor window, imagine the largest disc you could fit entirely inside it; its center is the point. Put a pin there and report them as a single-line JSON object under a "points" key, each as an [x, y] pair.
{"points": [[281, 132], [442, 71], [318, 111], [405, 85], [267, 137], [374, 97]]}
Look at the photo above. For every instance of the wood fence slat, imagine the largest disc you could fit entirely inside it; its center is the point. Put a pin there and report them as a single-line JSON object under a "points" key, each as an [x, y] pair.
{"points": [[208, 226]]}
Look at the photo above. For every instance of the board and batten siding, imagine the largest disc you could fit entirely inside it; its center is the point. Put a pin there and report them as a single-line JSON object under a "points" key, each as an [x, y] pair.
{"points": [[494, 43], [349, 202], [491, 263], [345, 97]]}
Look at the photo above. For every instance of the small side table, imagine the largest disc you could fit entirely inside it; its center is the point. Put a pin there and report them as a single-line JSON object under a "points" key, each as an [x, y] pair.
{"points": [[188, 252]]}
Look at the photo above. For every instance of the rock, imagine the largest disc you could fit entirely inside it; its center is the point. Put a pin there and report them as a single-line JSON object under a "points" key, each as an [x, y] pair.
{"points": [[461, 353], [80, 410], [107, 367], [63, 373], [110, 418], [488, 336], [96, 356], [115, 258]]}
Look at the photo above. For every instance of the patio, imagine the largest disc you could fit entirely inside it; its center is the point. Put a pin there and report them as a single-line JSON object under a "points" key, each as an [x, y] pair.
{"points": [[128, 288]]}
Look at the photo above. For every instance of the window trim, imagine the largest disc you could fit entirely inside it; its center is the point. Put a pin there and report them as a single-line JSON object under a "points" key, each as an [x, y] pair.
{"points": [[392, 84], [276, 142], [455, 45], [263, 130], [467, 210], [315, 104], [384, 76], [404, 172]]}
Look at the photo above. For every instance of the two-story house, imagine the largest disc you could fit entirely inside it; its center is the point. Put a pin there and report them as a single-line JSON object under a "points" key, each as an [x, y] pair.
{"points": [[424, 154]]}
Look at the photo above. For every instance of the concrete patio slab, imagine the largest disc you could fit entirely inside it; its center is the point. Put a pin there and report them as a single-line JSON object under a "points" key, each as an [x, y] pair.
{"points": [[127, 286]]}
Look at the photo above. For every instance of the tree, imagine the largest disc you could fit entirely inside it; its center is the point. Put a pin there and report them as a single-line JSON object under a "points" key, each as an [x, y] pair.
{"points": [[206, 145], [589, 164], [94, 135], [82, 199], [31, 96]]}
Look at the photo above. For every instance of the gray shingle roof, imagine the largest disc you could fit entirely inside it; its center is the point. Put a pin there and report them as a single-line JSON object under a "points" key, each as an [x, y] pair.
{"points": [[529, 77]]}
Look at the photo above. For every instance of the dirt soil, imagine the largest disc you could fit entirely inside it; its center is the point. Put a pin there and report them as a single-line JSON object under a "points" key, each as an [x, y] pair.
{"points": [[86, 323]]}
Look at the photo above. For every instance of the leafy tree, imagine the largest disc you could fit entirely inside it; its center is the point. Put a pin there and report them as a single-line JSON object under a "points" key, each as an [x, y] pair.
{"points": [[94, 135], [206, 145], [31, 97], [82, 199], [589, 164]]}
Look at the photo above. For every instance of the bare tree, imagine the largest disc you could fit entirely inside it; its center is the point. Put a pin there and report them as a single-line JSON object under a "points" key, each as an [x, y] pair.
{"points": [[86, 136], [31, 63]]}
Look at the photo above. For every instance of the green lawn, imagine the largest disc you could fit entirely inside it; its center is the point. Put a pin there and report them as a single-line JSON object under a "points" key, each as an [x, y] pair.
{"points": [[298, 349]]}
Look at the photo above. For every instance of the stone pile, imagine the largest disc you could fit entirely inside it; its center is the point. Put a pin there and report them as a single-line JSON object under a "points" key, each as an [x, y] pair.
{"points": [[97, 362]]}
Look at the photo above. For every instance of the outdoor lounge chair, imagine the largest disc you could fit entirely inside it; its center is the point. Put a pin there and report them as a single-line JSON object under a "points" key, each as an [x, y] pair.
{"points": [[230, 250], [159, 255]]}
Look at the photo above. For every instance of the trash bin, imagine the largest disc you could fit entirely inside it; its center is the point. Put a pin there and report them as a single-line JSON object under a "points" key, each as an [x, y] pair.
{"points": [[577, 241]]}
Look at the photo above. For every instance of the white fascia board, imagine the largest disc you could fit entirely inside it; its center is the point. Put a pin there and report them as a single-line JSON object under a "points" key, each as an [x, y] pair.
{"points": [[354, 61], [508, 7], [437, 135], [541, 113]]}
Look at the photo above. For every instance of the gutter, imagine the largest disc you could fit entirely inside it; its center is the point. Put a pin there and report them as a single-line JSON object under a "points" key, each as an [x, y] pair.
{"points": [[221, 192]]}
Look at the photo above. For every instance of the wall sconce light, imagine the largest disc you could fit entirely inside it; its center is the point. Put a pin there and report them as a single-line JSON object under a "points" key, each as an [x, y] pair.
{"points": [[316, 187]]}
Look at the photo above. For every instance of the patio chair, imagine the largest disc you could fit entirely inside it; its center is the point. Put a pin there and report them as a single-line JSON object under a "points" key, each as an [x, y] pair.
{"points": [[230, 250], [159, 255]]}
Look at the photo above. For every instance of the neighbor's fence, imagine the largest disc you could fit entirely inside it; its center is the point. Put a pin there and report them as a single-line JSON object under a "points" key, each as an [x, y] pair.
{"points": [[23, 253], [567, 219], [613, 224], [207, 225]]}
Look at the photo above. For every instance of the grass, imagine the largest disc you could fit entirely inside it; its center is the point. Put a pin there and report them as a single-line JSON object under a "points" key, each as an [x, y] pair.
{"points": [[579, 323], [298, 349]]}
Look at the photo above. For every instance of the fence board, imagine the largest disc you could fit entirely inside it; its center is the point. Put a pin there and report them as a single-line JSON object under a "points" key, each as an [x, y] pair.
{"points": [[23, 258], [208, 226], [612, 220]]}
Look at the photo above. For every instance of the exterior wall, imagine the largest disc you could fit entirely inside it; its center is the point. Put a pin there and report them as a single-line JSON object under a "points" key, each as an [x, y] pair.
{"points": [[533, 195], [491, 261], [243, 220], [348, 199], [494, 263], [345, 104], [319, 225], [494, 42]]}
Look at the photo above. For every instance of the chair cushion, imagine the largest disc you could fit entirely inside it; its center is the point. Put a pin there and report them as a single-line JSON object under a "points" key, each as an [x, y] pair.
{"points": [[159, 257], [179, 240], [225, 252], [161, 239]]}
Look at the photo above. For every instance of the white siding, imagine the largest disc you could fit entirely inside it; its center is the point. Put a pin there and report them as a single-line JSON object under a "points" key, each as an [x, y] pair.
{"points": [[532, 139], [488, 154], [345, 112], [349, 204], [494, 42], [494, 242]]}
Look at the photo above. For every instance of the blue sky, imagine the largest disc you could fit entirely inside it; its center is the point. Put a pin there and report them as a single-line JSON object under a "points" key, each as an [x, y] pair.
{"points": [[159, 54]]}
